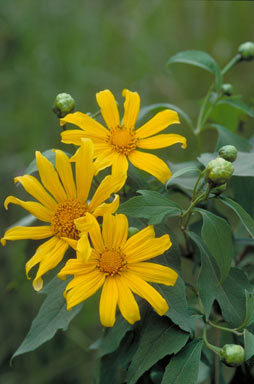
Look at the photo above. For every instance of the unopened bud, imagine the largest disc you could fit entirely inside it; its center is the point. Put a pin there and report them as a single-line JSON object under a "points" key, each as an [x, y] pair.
{"points": [[218, 171], [64, 104], [247, 50], [232, 354], [228, 152], [219, 189], [132, 231], [227, 89]]}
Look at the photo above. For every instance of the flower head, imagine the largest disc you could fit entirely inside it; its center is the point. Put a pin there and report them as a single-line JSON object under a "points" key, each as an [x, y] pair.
{"points": [[60, 201], [118, 265], [120, 142]]}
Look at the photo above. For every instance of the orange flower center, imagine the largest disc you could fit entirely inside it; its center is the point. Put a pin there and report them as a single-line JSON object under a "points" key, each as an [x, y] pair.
{"points": [[112, 262], [123, 140], [62, 221]]}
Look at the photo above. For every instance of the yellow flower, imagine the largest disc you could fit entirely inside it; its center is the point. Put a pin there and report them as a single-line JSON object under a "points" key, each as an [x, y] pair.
{"points": [[118, 264], [120, 143], [60, 202]]}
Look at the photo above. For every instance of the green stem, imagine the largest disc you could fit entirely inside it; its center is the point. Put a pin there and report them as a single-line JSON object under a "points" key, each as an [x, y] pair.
{"points": [[225, 329], [96, 114], [202, 111], [231, 63], [212, 347], [196, 185]]}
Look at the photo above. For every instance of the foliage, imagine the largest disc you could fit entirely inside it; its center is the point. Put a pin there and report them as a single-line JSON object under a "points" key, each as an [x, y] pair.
{"points": [[214, 228]]}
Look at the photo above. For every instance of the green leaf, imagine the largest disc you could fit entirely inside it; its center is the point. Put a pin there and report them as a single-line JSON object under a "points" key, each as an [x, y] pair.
{"points": [[242, 188], [243, 166], [159, 337], [199, 59], [178, 308], [52, 316], [248, 344], [113, 367], [225, 136], [249, 314], [183, 368], [231, 297], [112, 337], [181, 172], [245, 218], [154, 108], [237, 103], [217, 236], [209, 276], [151, 205]]}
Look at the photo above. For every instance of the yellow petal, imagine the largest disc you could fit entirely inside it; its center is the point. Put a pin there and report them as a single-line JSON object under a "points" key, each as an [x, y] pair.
{"points": [[162, 141], [109, 110], [72, 243], [154, 273], [139, 238], [96, 237], [149, 249], [49, 177], [110, 184], [90, 126], [158, 123], [64, 170], [119, 164], [107, 207], [76, 267], [85, 288], [49, 261], [104, 159], [73, 136], [151, 164], [126, 301], [145, 290], [34, 233], [84, 248], [36, 209], [84, 223], [108, 302], [84, 169], [131, 108], [115, 230], [35, 189]]}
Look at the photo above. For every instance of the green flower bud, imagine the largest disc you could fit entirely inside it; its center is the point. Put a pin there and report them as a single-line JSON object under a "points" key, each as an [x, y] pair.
{"points": [[132, 231], [64, 104], [232, 354], [247, 50], [218, 171], [227, 89], [228, 152]]}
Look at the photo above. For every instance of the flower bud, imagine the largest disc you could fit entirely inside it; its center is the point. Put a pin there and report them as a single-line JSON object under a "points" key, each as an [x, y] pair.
{"points": [[64, 104], [156, 376], [232, 354], [228, 152], [227, 89], [218, 171], [246, 50], [132, 231]]}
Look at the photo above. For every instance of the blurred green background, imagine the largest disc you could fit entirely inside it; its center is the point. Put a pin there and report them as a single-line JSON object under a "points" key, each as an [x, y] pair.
{"points": [[81, 47]]}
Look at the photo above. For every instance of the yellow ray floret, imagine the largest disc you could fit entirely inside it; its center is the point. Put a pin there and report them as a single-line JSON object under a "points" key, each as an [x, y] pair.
{"points": [[118, 265], [120, 142], [61, 200]]}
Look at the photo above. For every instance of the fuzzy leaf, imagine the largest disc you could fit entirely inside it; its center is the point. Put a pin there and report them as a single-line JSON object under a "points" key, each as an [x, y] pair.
{"points": [[183, 367], [199, 59], [151, 205], [159, 337], [52, 316], [217, 236]]}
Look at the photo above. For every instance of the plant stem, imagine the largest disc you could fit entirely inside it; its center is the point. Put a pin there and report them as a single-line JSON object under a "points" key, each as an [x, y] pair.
{"points": [[231, 63], [225, 329], [212, 347]]}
